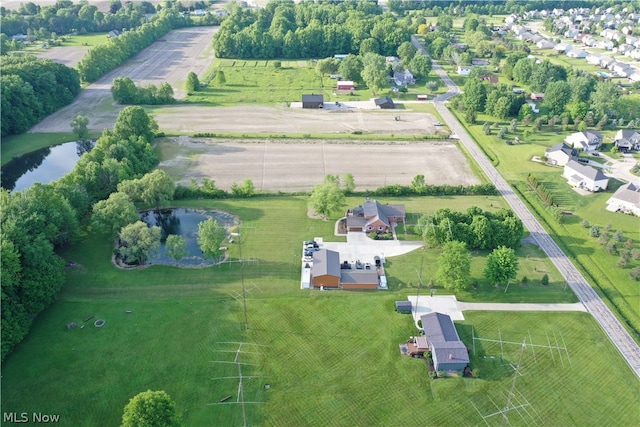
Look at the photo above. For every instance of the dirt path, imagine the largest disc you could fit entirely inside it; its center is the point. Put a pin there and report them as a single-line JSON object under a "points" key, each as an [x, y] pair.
{"points": [[168, 60]]}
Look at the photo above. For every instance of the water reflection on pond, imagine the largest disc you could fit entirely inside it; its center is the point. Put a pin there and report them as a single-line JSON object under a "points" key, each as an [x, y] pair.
{"points": [[184, 222], [43, 166]]}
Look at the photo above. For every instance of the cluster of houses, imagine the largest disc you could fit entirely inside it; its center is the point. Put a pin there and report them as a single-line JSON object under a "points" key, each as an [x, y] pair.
{"points": [[580, 175], [616, 37]]}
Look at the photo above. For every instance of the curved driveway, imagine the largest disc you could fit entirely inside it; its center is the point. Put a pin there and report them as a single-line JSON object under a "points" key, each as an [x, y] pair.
{"points": [[593, 303]]}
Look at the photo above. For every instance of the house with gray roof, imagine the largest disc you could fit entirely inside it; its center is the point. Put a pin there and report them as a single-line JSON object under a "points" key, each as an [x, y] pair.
{"points": [[560, 154], [447, 351], [588, 140], [585, 177], [627, 140], [374, 216], [626, 200]]}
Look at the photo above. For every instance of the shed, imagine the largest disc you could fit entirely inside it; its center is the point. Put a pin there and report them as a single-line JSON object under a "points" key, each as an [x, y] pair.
{"points": [[312, 101], [385, 103], [422, 97], [404, 307]]}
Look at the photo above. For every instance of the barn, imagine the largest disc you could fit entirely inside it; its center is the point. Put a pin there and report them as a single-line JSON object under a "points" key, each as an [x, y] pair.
{"points": [[325, 271], [346, 85], [385, 103], [312, 101], [447, 351]]}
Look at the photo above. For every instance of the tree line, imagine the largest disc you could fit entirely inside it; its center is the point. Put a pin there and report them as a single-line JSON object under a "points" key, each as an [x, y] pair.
{"points": [[125, 91], [311, 30], [495, 7], [38, 221], [32, 89]]}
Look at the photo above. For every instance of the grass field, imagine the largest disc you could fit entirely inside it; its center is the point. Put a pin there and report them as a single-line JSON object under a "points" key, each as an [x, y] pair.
{"points": [[330, 358], [614, 282], [17, 145]]}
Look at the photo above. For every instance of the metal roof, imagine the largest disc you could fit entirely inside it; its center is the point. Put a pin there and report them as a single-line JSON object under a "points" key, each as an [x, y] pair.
{"points": [[326, 263]]}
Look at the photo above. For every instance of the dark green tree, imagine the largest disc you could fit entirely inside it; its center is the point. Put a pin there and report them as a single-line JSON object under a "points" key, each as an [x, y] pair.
{"points": [[502, 266], [151, 409]]}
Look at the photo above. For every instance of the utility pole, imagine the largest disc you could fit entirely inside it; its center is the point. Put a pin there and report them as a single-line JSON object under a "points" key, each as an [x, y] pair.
{"points": [[244, 293]]}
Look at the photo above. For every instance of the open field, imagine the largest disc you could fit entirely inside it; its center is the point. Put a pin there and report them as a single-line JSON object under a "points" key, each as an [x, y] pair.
{"points": [[167, 60], [330, 358]]}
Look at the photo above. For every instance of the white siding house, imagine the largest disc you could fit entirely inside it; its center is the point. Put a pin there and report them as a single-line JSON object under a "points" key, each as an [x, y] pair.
{"points": [[589, 140], [585, 177], [560, 154], [626, 199]]}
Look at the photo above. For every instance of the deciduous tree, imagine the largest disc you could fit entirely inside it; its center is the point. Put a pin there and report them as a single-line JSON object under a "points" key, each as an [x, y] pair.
{"points": [[326, 198], [138, 242], [210, 237], [454, 266], [176, 247], [112, 214], [193, 83], [502, 265], [80, 126], [151, 409]]}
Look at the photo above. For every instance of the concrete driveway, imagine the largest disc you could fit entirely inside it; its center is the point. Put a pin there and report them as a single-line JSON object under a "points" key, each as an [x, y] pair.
{"points": [[360, 247]]}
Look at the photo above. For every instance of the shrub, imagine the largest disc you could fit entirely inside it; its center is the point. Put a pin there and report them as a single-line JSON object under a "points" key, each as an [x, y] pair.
{"points": [[635, 273], [545, 280], [594, 231]]}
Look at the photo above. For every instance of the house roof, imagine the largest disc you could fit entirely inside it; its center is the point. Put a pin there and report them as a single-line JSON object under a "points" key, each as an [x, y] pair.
{"points": [[585, 171], [629, 193], [354, 277], [562, 147], [326, 263], [375, 210], [438, 327], [626, 134], [450, 352], [384, 100]]}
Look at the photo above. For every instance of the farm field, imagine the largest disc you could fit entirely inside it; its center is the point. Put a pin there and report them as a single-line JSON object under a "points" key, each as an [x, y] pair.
{"points": [[343, 344], [299, 165]]}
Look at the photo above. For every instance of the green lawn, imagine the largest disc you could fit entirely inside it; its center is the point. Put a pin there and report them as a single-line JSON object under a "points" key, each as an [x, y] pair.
{"points": [[513, 162]]}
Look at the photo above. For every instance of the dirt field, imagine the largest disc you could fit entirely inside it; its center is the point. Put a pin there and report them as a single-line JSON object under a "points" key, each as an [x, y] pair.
{"points": [[167, 60], [297, 165], [67, 55], [276, 120]]}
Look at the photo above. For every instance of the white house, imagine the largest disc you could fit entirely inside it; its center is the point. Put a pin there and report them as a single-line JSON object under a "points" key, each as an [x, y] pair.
{"points": [[545, 44], [627, 140], [589, 140], [533, 106], [562, 47], [560, 154], [605, 44], [626, 199], [593, 59], [577, 53], [464, 70], [585, 177]]}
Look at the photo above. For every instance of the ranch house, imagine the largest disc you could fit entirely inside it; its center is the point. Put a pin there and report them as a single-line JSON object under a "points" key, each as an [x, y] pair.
{"points": [[441, 338], [374, 216]]}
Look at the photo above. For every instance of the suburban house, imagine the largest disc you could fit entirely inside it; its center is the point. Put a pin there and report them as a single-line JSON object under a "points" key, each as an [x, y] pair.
{"points": [[593, 59], [626, 199], [441, 338], [562, 47], [537, 96], [464, 70], [545, 44], [385, 103], [345, 85], [374, 216], [560, 154], [327, 272], [577, 53], [585, 177], [588, 140], [312, 101], [403, 79], [627, 140]]}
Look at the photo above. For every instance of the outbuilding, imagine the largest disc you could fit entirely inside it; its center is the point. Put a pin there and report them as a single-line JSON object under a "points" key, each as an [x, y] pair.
{"points": [[312, 101], [346, 85], [404, 307], [385, 103]]}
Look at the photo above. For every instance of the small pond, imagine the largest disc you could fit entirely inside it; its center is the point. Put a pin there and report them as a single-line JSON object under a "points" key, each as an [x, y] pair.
{"points": [[44, 166], [184, 222]]}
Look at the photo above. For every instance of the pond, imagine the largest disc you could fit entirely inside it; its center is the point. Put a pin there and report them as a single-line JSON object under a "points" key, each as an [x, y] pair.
{"points": [[44, 166], [184, 222]]}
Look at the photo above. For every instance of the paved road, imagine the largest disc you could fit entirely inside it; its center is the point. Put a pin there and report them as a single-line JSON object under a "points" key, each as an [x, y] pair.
{"points": [[593, 303]]}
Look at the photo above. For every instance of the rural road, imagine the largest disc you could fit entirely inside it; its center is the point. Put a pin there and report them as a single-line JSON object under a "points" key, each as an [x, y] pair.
{"points": [[593, 303]]}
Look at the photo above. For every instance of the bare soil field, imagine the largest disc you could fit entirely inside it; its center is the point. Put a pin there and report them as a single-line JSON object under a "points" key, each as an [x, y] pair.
{"points": [[299, 165], [168, 60], [281, 120]]}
